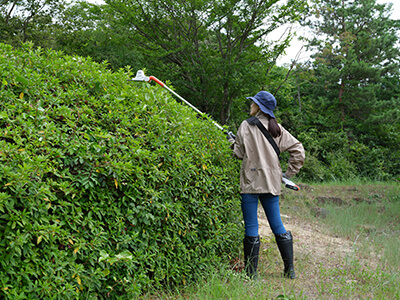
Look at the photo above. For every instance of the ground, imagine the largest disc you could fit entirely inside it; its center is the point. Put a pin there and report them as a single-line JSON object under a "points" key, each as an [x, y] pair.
{"points": [[315, 252], [308, 238]]}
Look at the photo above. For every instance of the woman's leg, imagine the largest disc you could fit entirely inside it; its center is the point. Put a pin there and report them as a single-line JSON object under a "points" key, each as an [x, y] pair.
{"points": [[249, 210], [251, 241], [270, 204], [283, 238]]}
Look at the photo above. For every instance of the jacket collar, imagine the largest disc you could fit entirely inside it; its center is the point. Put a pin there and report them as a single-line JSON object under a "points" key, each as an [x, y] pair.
{"points": [[262, 115]]}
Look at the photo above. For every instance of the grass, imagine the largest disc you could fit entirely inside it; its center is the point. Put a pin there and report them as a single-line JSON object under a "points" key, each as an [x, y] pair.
{"points": [[348, 252]]}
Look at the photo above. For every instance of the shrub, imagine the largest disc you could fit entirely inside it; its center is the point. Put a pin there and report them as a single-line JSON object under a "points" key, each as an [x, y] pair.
{"points": [[107, 187], [372, 161]]}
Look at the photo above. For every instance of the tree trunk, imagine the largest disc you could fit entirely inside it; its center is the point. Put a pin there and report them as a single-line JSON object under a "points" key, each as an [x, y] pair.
{"points": [[341, 91], [9, 13]]}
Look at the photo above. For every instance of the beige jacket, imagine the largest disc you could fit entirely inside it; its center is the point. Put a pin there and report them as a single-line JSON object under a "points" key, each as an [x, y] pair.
{"points": [[261, 171]]}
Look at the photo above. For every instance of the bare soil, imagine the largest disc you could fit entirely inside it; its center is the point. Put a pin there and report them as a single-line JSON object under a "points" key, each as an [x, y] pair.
{"points": [[309, 239], [314, 250]]}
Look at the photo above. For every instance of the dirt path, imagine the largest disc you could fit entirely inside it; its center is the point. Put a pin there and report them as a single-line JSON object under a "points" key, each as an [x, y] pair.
{"points": [[308, 238], [313, 249]]}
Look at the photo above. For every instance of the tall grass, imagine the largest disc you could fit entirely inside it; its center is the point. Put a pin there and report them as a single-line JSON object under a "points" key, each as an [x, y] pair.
{"points": [[374, 223]]}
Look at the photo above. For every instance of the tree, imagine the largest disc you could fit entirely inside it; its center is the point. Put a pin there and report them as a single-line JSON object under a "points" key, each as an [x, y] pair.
{"points": [[88, 29], [29, 20], [356, 72], [356, 44], [212, 50]]}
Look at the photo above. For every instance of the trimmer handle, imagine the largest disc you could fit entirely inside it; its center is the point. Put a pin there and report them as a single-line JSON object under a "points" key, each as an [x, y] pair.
{"points": [[290, 185], [230, 135]]}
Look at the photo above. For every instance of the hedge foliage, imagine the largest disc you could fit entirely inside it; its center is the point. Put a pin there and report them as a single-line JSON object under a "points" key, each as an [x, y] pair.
{"points": [[107, 187]]}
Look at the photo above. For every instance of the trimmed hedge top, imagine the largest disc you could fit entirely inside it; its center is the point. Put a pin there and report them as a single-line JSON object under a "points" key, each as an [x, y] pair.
{"points": [[106, 186]]}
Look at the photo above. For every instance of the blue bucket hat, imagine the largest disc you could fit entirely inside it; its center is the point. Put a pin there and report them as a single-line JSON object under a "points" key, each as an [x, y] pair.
{"points": [[266, 101]]}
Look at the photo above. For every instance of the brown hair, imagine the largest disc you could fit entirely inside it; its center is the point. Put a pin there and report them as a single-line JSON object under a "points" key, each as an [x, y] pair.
{"points": [[274, 128]]}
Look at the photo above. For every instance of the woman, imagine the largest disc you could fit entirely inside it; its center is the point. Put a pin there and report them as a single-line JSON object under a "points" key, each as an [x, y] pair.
{"points": [[260, 179]]}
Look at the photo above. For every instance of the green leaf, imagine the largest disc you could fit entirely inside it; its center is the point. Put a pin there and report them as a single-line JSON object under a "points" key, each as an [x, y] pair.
{"points": [[3, 115], [21, 79], [103, 255], [106, 272]]}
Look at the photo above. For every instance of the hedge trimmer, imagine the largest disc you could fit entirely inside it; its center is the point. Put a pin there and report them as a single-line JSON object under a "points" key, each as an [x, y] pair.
{"points": [[143, 78]]}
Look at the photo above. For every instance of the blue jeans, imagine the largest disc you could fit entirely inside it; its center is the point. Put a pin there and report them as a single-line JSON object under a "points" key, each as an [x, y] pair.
{"points": [[270, 204]]}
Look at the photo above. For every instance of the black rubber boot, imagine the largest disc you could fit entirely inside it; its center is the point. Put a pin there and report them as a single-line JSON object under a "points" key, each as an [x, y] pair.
{"points": [[285, 246], [251, 245]]}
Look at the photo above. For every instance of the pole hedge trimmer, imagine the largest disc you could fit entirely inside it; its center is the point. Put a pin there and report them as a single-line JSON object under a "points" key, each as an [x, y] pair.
{"points": [[140, 77]]}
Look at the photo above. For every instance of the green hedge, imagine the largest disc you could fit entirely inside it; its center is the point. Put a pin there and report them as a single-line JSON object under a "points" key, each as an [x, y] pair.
{"points": [[107, 187]]}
